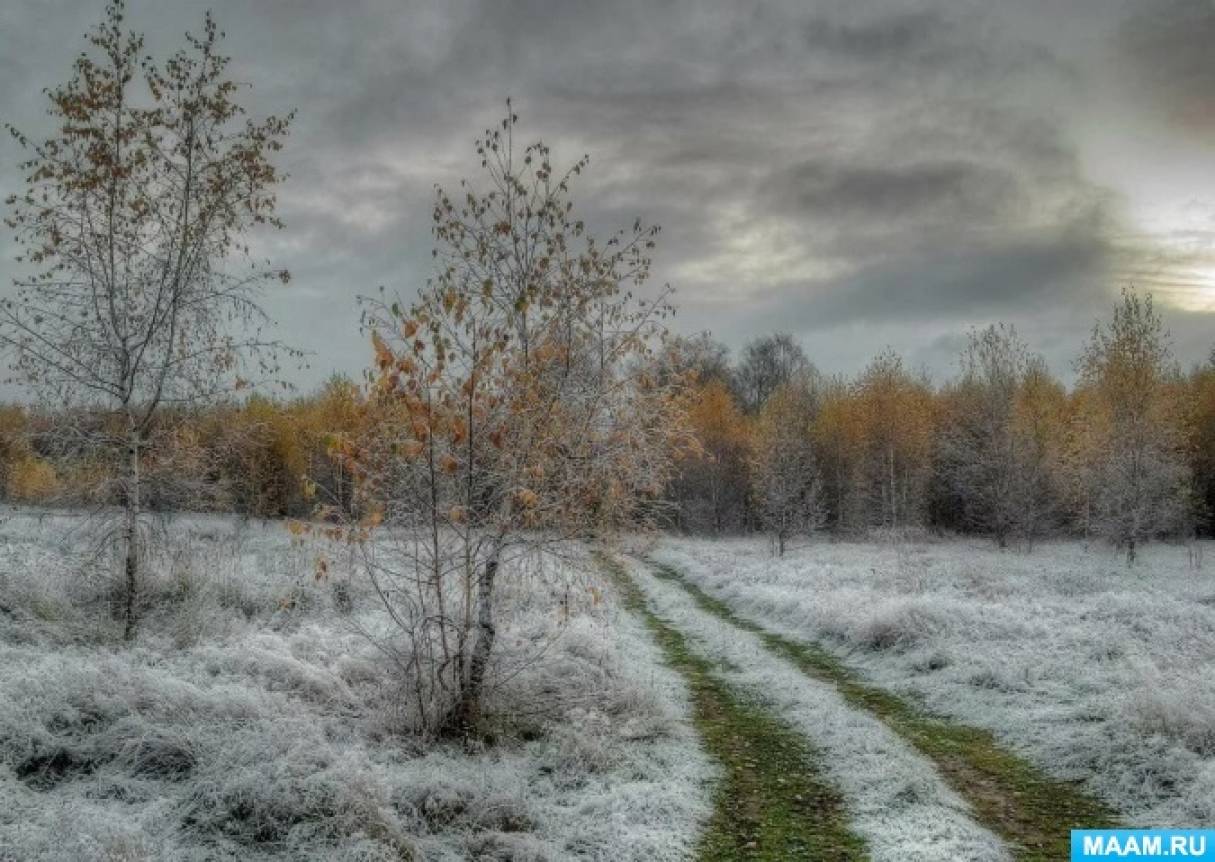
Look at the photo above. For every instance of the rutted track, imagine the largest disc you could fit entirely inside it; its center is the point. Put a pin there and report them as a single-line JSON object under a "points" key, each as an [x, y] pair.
{"points": [[772, 803], [1030, 811], [892, 797]]}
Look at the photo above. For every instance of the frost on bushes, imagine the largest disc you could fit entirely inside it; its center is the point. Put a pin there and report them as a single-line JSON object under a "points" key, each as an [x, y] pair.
{"points": [[898, 625], [271, 731], [1182, 710]]}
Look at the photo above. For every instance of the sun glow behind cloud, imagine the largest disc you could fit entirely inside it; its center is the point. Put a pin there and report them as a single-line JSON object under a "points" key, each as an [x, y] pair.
{"points": [[1174, 254], [1152, 166], [1197, 293]]}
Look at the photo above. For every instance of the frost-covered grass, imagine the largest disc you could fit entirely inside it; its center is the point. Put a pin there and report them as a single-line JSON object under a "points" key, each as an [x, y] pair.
{"points": [[253, 720], [894, 797], [771, 801], [1091, 670]]}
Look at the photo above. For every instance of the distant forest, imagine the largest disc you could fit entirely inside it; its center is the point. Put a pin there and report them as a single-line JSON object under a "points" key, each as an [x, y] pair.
{"points": [[1003, 450]]}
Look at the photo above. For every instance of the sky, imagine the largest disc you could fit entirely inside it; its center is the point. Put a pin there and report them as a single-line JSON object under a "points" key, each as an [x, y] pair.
{"points": [[859, 174]]}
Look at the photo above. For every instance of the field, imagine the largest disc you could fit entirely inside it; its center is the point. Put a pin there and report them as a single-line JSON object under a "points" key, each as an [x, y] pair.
{"points": [[670, 699], [1092, 670], [253, 719]]}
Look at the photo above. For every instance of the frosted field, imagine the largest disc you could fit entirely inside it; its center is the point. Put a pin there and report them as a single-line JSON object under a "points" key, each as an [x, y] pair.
{"points": [[895, 799], [252, 720], [1091, 670]]}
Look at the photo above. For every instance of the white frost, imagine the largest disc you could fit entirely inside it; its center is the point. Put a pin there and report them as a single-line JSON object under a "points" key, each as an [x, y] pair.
{"points": [[252, 721], [896, 800], [1092, 670]]}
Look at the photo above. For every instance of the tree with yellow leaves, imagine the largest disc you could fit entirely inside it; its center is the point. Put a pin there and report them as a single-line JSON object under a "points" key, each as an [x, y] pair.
{"points": [[517, 404], [839, 438], [1132, 457], [711, 482], [1039, 425], [896, 415]]}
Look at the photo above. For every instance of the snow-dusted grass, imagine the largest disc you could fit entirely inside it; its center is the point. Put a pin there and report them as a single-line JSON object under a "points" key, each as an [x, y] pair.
{"points": [[896, 800], [1091, 670], [252, 719]]}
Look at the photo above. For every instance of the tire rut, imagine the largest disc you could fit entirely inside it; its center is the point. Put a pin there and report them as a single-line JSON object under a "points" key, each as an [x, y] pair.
{"points": [[771, 803], [1029, 810]]}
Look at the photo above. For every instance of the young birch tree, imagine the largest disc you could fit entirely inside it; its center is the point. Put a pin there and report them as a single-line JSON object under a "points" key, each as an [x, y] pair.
{"points": [[135, 219], [519, 406], [1133, 466], [784, 468], [897, 420]]}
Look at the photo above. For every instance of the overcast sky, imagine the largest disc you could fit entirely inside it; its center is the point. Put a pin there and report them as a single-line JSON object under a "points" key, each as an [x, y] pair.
{"points": [[859, 174]]}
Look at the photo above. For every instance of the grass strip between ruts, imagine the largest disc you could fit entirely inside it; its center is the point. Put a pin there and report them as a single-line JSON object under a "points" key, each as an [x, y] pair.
{"points": [[1031, 811], [772, 803]]}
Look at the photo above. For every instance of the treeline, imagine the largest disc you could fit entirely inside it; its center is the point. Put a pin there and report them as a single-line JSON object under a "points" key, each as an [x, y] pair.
{"points": [[262, 457], [1003, 449]]}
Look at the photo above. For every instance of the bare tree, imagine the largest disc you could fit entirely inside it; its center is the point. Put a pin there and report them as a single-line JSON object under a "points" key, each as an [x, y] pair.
{"points": [[1132, 460], [785, 471], [520, 406], [994, 451], [135, 219], [766, 364]]}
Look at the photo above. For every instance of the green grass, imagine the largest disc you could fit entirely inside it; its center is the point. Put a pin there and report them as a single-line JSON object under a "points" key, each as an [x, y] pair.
{"points": [[770, 804], [1032, 812]]}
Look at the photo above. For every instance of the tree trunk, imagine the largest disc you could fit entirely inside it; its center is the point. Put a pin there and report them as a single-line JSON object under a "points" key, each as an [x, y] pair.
{"points": [[467, 712], [894, 506], [130, 535]]}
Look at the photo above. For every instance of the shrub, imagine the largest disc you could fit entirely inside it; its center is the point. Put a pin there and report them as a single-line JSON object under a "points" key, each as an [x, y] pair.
{"points": [[32, 480]]}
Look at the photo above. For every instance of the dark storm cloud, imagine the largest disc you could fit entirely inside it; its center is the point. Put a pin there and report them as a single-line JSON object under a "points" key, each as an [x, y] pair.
{"points": [[999, 279], [906, 168], [896, 192], [899, 35]]}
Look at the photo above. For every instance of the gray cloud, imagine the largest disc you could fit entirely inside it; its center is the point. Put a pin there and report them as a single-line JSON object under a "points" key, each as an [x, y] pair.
{"points": [[1169, 44], [902, 34], [863, 173], [893, 193]]}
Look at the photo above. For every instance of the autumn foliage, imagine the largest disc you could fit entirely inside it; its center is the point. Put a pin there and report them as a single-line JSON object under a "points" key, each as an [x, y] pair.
{"points": [[286, 458], [1003, 450]]}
